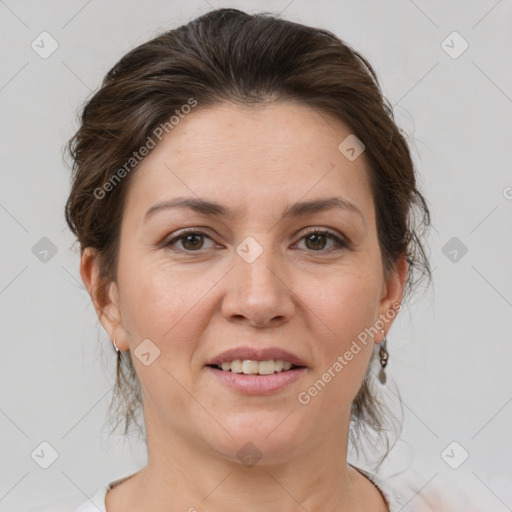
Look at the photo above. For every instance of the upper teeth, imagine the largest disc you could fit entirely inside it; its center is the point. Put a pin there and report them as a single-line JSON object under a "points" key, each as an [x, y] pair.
{"points": [[249, 367]]}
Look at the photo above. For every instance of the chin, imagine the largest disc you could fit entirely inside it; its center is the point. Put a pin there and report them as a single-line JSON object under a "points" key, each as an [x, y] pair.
{"points": [[261, 439]]}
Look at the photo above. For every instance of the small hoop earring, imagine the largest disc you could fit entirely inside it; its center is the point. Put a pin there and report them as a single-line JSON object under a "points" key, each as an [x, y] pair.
{"points": [[115, 346], [383, 358]]}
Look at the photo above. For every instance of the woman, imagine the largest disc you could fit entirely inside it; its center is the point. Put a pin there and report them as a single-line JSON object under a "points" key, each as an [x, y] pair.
{"points": [[244, 205]]}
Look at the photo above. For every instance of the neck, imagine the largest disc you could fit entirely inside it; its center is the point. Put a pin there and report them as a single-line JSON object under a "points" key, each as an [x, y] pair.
{"points": [[181, 475]]}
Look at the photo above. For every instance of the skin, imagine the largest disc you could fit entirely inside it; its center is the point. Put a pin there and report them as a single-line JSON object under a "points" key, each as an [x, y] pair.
{"points": [[307, 296]]}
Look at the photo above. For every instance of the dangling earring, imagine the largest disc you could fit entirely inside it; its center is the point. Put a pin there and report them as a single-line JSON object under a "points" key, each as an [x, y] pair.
{"points": [[115, 346], [383, 358]]}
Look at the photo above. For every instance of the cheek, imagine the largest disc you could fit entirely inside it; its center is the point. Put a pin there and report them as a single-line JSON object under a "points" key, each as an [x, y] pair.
{"points": [[342, 314], [165, 305], [346, 304], [150, 301]]}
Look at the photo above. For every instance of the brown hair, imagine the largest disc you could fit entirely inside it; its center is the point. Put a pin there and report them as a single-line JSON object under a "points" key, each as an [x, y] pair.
{"points": [[230, 56]]}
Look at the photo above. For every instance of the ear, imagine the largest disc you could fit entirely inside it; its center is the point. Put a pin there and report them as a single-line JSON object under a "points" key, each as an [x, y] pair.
{"points": [[106, 302], [391, 297]]}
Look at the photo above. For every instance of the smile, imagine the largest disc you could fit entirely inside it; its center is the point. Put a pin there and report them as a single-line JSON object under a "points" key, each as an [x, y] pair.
{"points": [[254, 381], [251, 367]]}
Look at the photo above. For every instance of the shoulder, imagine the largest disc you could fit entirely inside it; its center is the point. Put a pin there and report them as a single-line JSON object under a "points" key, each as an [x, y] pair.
{"points": [[97, 502], [394, 499]]}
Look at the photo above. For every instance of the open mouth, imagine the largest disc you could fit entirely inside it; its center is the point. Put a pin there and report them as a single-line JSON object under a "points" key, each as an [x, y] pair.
{"points": [[251, 367]]}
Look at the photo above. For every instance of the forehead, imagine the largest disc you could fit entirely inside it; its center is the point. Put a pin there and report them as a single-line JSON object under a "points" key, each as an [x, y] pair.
{"points": [[279, 152]]}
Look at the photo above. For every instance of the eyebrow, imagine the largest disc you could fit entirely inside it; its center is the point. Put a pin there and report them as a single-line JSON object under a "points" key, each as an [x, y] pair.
{"points": [[301, 209]]}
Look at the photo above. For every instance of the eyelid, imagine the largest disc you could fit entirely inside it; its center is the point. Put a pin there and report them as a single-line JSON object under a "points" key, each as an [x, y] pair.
{"points": [[340, 240], [182, 233], [318, 229]]}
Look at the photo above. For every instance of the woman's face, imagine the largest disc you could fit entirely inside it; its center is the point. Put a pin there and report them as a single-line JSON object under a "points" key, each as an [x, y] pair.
{"points": [[250, 278]]}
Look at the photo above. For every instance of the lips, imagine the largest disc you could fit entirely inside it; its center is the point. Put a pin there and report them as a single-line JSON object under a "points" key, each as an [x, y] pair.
{"points": [[264, 354], [262, 371]]}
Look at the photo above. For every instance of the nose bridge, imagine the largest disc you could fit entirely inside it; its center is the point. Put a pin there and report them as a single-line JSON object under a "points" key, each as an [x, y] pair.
{"points": [[256, 265], [258, 289], [259, 274]]}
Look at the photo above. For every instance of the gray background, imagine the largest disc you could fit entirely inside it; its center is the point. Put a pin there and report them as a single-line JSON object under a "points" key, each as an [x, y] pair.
{"points": [[450, 351]]}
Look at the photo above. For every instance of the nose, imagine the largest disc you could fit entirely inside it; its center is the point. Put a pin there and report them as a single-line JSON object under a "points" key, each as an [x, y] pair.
{"points": [[258, 293]]}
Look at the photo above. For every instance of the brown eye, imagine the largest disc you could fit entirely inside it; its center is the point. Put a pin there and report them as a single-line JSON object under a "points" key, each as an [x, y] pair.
{"points": [[315, 241], [192, 241], [323, 241]]}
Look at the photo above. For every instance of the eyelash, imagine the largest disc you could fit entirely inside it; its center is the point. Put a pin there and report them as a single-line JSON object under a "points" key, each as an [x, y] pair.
{"points": [[341, 243]]}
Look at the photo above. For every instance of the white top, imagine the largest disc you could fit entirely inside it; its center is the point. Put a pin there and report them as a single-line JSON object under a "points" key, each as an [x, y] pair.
{"points": [[395, 501]]}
